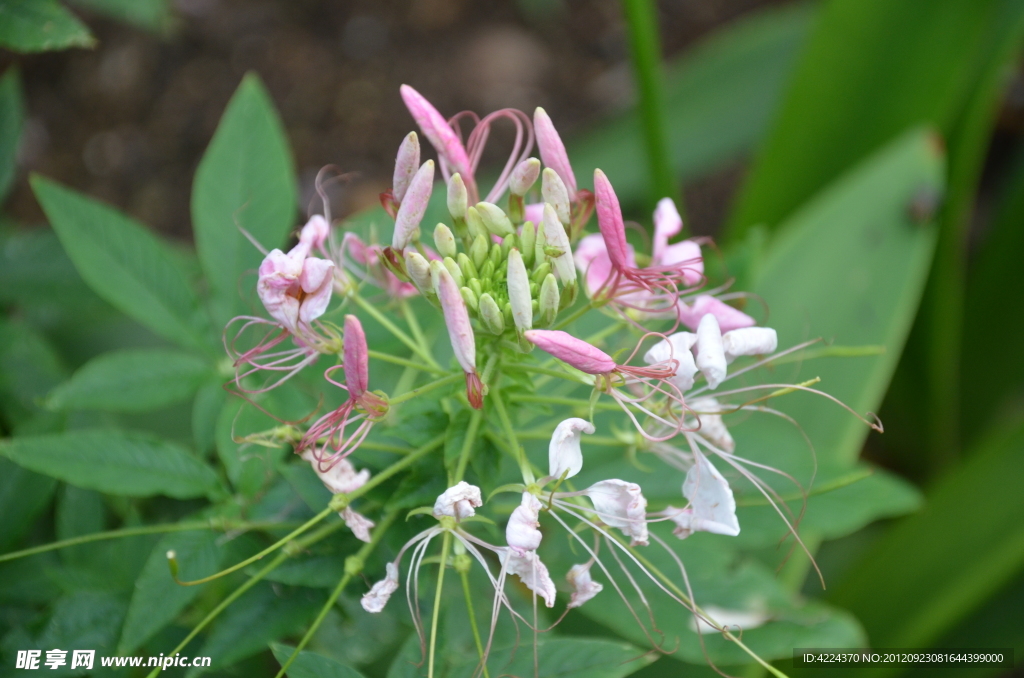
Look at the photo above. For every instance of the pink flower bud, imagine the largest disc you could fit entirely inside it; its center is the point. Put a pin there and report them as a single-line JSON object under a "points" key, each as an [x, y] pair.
{"points": [[749, 341], [552, 150], [583, 587], [456, 317], [406, 164], [710, 353], [609, 220], [569, 349], [524, 176], [564, 453], [410, 213], [458, 501], [357, 376], [622, 505], [521, 533], [728, 317], [375, 600], [531, 571], [438, 132]]}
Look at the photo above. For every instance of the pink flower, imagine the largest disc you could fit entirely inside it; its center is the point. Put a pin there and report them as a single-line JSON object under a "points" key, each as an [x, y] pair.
{"points": [[728, 317], [552, 150], [342, 478]]}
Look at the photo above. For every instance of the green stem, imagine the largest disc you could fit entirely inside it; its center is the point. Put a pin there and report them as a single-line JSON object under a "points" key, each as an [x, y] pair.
{"points": [[144, 529], [574, 316], [409, 395], [414, 326], [467, 444], [513, 441], [472, 620], [556, 400], [445, 545], [408, 460], [545, 434], [395, 360], [391, 327], [645, 49], [350, 571], [561, 374]]}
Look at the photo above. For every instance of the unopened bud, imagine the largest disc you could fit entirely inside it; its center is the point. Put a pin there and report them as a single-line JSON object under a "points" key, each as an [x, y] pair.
{"points": [[479, 250], [471, 298], [435, 273], [410, 213], [466, 265], [406, 164], [475, 223], [458, 197], [495, 255], [507, 243], [519, 291], [491, 314], [524, 176], [556, 238], [549, 301], [419, 270], [444, 241], [495, 219], [527, 241], [475, 285], [453, 268], [555, 194], [541, 272]]}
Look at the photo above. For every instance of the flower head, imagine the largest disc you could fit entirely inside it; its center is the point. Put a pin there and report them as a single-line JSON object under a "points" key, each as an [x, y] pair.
{"points": [[458, 501]]}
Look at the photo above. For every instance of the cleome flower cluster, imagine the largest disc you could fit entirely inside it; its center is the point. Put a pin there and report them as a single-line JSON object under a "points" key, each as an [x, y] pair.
{"points": [[510, 274]]}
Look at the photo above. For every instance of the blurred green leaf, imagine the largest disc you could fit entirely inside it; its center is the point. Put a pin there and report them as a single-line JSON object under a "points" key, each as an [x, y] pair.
{"points": [[40, 25], [131, 380], [719, 99], [12, 115], [80, 621], [564, 657], [23, 496], [935, 567], [29, 367], [79, 512], [263, 614], [157, 599], [123, 262], [210, 400], [311, 665], [245, 180], [153, 15], [317, 571], [118, 462]]}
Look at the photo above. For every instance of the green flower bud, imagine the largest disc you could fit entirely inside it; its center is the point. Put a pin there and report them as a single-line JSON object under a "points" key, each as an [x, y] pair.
{"points": [[475, 223], [569, 292], [479, 250], [550, 299], [527, 241], [458, 197], [444, 241], [496, 255], [435, 269], [453, 268], [519, 292], [541, 272], [507, 244], [470, 297], [555, 194], [487, 270], [419, 270], [524, 176], [466, 264], [475, 285], [495, 219], [491, 315]]}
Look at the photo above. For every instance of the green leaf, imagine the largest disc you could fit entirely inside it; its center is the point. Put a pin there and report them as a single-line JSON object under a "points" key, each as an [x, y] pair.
{"points": [[117, 462], [40, 25], [131, 380], [245, 180], [154, 15], [311, 665], [719, 98], [935, 567], [157, 599], [79, 512], [209, 402], [565, 658], [123, 262], [23, 496], [12, 115], [29, 367], [80, 621], [260, 616], [319, 571]]}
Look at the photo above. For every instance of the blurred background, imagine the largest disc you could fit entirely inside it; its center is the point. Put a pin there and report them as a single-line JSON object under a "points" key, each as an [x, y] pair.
{"points": [[759, 105]]}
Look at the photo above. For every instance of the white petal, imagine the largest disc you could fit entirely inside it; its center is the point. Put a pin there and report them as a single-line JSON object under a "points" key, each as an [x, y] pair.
{"points": [[358, 523], [712, 427], [714, 508], [564, 449], [458, 501], [710, 353], [377, 597], [531, 571], [678, 347], [749, 341], [621, 504], [521, 533], [584, 588], [341, 478]]}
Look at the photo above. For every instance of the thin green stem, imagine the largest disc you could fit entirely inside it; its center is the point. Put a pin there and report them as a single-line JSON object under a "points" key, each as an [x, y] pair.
{"points": [[645, 49], [467, 594], [395, 360], [414, 326], [383, 447], [513, 441], [840, 482], [467, 444], [574, 316], [391, 327], [556, 400], [146, 529], [545, 434], [405, 461], [350, 571], [420, 390], [561, 374], [445, 545]]}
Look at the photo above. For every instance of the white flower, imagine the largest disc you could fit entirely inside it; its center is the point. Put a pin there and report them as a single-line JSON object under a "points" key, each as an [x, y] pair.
{"points": [[584, 588], [712, 428], [564, 451], [621, 504], [712, 507], [458, 502], [342, 478], [676, 346], [710, 352], [531, 571], [749, 341], [377, 597], [521, 533], [358, 523]]}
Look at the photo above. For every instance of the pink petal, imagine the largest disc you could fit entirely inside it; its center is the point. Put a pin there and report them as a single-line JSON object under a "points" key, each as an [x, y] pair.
{"points": [[687, 256], [609, 219], [552, 150], [437, 130], [357, 374], [569, 349], [728, 317]]}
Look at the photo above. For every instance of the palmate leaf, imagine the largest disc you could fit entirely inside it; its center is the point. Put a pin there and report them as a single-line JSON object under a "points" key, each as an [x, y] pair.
{"points": [[124, 263], [245, 180], [118, 462], [132, 380], [40, 25]]}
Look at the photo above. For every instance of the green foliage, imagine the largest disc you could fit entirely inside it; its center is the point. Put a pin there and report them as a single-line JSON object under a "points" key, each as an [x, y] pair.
{"points": [[310, 665], [118, 462], [132, 380], [124, 263], [40, 25], [23, 496], [12, 116], [245, 181], [154, 15]]}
